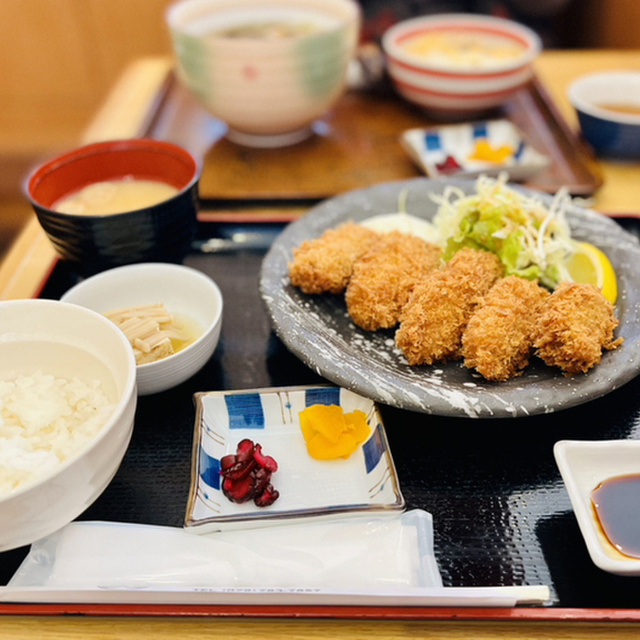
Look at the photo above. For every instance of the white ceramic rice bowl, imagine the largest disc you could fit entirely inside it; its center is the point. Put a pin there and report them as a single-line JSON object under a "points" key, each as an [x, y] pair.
{"points": [[182, 290], [452, 91], [68, 341]]}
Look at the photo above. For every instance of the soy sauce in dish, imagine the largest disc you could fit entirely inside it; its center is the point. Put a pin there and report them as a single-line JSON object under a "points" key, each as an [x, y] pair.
{"points": [[617, 505]]}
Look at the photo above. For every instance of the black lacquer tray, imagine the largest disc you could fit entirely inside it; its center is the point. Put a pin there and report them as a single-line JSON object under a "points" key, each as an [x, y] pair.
{"points": [[501, 512]]}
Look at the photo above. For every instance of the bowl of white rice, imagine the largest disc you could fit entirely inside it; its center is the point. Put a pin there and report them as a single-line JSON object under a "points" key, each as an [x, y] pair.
{"points": [[67, 405]]}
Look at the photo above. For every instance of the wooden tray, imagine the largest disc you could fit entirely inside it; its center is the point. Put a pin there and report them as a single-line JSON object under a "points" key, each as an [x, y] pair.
{"points": [[356, 145]]}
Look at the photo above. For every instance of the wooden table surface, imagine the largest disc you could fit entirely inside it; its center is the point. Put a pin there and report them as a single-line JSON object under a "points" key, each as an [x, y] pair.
{"points": [[27, 264]]}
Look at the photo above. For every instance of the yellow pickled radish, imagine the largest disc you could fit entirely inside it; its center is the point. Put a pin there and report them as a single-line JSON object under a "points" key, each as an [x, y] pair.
{"points": [[325, 419], [321, 449], [330, 433], [357, 425], [483, 151], [589, 265]]}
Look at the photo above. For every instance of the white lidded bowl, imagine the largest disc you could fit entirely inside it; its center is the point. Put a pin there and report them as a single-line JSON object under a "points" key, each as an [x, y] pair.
{"points": [[68, 342], [453, 88], [182, 290], [268, 91]]}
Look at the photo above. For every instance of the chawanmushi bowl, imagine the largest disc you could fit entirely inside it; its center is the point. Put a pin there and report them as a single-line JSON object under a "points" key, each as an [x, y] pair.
{"points": [[443, 79]]}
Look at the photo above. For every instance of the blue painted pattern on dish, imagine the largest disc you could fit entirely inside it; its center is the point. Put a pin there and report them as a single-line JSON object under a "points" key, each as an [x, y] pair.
{"points": [[480, 130], [432, 141], [245, 411], [327, 396], [209, 469], [520, 150], [373, 449]]}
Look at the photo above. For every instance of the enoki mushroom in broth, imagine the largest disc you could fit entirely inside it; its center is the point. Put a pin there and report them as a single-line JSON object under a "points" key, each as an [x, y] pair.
{"points": [[152, 331]]}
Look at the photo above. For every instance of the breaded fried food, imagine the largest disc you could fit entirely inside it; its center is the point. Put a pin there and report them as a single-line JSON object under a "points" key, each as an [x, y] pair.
{"points": [[434, 318], [498, 340], [576, 324], [325, 264], [384, 277]]}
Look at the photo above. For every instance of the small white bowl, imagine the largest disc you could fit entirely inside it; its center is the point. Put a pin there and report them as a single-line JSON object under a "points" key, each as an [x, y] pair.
{"points": [[450, 88], [182, 290], [69, 342], [614, 134], [583, 466]]}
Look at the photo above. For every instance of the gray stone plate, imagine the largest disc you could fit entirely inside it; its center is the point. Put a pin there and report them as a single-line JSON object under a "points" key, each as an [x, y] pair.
{"points": [[319, 331]]}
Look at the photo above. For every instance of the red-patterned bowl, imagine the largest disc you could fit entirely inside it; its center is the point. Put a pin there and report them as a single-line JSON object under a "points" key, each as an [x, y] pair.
{"points": [[459, 65]]}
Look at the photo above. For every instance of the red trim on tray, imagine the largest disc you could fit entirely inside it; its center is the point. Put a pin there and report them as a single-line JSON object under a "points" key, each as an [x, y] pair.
{"points": [[251, 218], [488, 614]]}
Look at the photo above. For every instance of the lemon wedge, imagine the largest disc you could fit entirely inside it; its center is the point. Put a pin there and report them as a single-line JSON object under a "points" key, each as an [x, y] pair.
{"points": [[588, 265]]}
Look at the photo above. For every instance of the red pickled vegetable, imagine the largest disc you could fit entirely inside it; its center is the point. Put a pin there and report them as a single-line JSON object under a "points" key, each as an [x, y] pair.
{"points": [[246, 475], [266, 462]]}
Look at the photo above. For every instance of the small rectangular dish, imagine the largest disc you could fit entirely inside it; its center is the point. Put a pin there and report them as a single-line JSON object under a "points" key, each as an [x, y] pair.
{"points": [[467, 150], [583, 466], [366, 483]]}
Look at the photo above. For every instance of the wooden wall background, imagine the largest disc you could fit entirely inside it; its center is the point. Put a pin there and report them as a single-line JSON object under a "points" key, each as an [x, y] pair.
{"points": [[613, 24], [59, 59]]}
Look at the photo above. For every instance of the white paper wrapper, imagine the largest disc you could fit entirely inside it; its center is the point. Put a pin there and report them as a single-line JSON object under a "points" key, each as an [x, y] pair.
{"points": [[356, 554], [387, 561]]}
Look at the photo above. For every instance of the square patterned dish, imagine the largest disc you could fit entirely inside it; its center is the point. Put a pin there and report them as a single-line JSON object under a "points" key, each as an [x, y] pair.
{"points": [[583, 466], [365, 484], [467, 150]]}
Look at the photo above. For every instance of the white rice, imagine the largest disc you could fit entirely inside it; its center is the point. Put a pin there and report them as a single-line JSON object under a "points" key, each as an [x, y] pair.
{"points": [[44, 420]]}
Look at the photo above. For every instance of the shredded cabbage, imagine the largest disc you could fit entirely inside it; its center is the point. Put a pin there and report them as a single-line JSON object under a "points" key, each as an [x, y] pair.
{"points": [[532, 240]]}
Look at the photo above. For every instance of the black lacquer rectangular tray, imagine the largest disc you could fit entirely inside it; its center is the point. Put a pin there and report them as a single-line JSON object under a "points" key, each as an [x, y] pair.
{"points": [[501, 513]]}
